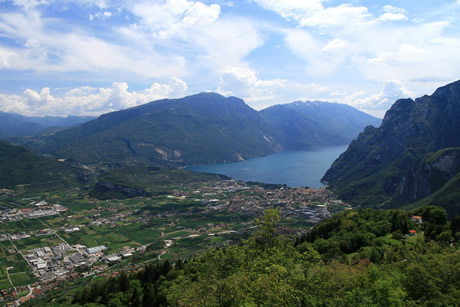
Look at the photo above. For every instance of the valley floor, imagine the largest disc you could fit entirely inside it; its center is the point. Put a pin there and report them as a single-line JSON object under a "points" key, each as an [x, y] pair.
{"points": [[49, 240]]}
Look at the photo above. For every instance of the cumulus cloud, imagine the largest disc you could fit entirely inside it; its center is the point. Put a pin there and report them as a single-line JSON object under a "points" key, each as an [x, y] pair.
{"points": [[243, 82], [168, 18], [88, 100], [350, 39], [378, 103], [393, 13], [213, 41], [164, 38]]}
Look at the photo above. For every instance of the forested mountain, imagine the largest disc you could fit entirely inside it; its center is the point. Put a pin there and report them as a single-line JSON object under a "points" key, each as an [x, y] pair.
{"points": [[12, 125], [205, 128], [315, 123], [414, 153], [20, 166], [357, 258]]}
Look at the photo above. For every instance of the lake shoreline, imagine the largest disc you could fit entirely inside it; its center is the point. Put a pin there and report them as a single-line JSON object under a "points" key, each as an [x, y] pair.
{"points": [[297, 168]]}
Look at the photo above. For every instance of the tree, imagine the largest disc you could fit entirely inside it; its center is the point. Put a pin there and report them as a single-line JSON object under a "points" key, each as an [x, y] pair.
{"points": [[266, 228], [149, 296]]}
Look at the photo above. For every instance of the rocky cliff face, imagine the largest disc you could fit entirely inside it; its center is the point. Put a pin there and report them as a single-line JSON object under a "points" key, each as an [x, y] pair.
{"points": [[409, 157], [429, 176]]}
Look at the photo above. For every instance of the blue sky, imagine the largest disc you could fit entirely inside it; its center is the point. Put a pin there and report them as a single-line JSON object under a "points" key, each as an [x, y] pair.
{"points": [[87, 57]]}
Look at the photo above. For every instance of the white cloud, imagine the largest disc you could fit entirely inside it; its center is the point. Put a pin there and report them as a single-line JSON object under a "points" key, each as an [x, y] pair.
{"points": [[378, 103], [336, 43], [88, 100], [394, 9], [100, 15], [243, 82], [312, 12], [27, 4], [47, 49], [171, 17], [349, 39], [392, 17], [198, 30], [393, 13], [166, 38], [323, 58]]}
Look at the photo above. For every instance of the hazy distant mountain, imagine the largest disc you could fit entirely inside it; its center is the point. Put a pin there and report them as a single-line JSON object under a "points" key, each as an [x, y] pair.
{"points": [[201, 129], [413, 154], [314, 123], [12, 125], [17, 125], [56, 121]]}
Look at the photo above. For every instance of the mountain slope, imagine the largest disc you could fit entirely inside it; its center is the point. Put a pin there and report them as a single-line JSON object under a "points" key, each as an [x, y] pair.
{"points": [[409, 157], [309, 124], [203, 128], [20, 166], [17, 125]]}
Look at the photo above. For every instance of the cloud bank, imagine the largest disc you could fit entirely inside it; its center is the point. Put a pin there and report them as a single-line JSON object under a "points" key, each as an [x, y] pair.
{"points": [[88, 100]]}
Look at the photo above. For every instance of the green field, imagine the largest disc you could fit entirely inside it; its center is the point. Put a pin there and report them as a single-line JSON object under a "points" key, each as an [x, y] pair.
{"points": [[21, 279], [140, 233], [5, 284]]}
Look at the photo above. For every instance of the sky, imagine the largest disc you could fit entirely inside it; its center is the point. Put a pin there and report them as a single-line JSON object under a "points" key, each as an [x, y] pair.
{"points": [[88, 57]]}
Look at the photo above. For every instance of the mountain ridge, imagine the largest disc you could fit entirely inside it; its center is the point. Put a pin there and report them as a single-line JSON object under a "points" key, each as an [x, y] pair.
{"points": [[388, 166], [204, 128], [17, 125]]}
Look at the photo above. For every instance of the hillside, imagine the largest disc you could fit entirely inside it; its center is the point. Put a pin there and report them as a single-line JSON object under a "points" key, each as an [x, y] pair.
{"points": [[412, 155], [311, 124], [19, 166], [202, 129], [357, 258]]}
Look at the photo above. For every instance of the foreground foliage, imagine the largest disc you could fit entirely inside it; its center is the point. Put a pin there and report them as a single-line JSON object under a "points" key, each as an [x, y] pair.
{"points": [[359, 257]]}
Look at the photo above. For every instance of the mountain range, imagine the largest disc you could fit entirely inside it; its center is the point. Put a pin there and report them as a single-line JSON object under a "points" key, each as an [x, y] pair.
{"points": [[413, 156], [205, 128], [14, 125]]}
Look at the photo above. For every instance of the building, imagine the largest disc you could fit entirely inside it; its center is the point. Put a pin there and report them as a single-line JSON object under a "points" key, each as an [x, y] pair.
{"points": [[95, 250], [417, 219]]}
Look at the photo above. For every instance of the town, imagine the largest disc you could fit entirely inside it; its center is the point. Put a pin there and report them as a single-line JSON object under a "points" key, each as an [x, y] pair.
{"points": [[94, 238]]}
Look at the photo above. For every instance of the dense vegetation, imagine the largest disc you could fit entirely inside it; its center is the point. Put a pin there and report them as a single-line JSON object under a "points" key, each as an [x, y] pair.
{"points": [[413, 154], [19, 166], [359, 257]]}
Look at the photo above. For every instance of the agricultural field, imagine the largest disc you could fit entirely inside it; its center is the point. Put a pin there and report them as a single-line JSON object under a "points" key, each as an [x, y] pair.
{"points": [[13, 264], [181, 221]]}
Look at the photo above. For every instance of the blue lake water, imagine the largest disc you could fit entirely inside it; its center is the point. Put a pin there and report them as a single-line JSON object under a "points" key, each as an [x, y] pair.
{"points": [[293, 168]]}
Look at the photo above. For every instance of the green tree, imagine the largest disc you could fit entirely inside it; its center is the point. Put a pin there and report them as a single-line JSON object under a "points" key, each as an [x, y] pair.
{"points": [[149, 296], [266, 227]]}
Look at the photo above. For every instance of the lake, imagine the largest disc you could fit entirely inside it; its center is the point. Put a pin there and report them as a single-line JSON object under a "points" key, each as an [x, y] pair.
{"points": [[293, 168]]}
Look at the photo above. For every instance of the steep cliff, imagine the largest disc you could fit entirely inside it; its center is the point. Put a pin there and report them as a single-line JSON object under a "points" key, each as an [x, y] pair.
{"points": [[411, 155]]}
